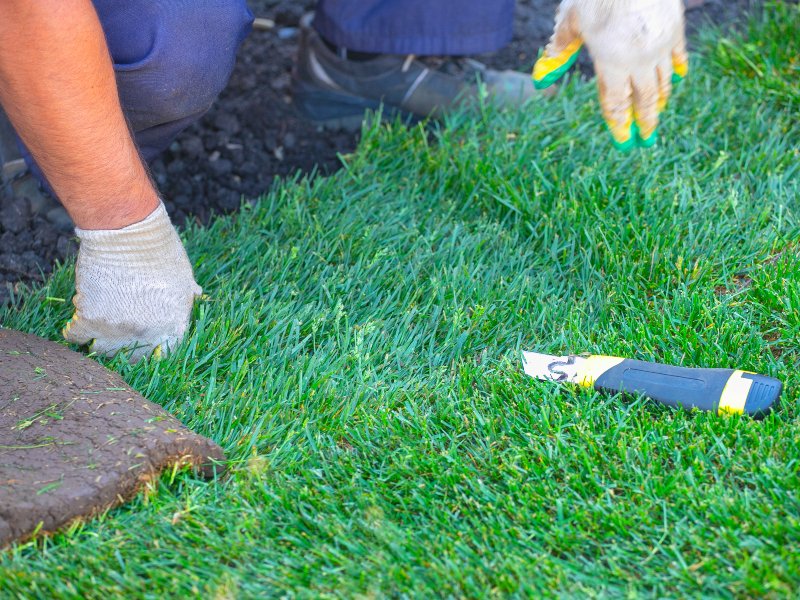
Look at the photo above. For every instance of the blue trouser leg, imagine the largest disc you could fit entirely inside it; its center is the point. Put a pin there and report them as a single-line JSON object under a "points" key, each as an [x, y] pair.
{"points": [[171, 58], [442, 27]]}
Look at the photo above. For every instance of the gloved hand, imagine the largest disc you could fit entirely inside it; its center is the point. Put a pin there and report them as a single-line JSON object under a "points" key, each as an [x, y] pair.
{"points": [[638, 47], [134, 289]]}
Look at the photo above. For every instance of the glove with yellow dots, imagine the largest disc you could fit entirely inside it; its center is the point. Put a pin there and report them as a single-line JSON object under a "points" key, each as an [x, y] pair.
{"points": [[639, 50]]}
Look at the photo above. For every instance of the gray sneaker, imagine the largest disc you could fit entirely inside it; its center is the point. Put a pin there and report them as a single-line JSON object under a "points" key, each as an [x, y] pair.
{"points": [[336, 92]]}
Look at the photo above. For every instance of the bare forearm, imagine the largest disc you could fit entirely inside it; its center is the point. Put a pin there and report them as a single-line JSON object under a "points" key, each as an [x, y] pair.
{"points": [[57, 86]]}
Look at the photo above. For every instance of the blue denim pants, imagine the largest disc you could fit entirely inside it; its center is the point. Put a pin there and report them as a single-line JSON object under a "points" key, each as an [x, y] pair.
{"points": [[173, 57], [439, 27]]}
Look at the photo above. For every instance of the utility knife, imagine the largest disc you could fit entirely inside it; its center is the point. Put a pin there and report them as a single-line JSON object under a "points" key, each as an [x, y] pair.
{"points": [[716, 390]]}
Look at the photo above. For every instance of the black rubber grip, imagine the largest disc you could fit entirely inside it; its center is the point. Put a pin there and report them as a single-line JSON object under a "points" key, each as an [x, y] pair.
{"points": [[763, 396], [687, 387]]}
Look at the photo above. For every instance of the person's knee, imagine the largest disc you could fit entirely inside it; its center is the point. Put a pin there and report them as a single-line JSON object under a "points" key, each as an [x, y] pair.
{"points": [[185, 63], [200, 60]]}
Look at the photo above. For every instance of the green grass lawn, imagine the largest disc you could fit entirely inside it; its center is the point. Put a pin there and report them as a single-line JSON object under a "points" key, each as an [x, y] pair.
{"points": [[358, 357]]}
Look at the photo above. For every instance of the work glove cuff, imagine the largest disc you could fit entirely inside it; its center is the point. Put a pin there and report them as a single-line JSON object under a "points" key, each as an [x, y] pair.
{"points": [[152, 240]]}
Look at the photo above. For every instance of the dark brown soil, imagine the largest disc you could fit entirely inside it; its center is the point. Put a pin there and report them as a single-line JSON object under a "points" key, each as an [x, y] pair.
{"points": [[253, 135], [75, 440]]}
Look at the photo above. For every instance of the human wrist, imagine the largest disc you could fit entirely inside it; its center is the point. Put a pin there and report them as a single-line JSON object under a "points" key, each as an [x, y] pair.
{"points": [[113, 213]]}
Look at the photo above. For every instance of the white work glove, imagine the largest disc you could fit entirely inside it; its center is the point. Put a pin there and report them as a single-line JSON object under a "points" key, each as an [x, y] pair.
{"points": [[134, 289], [638, 47]]}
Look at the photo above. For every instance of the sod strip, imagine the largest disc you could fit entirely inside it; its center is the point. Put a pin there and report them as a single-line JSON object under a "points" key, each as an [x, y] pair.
{"points": [[357, 359]]}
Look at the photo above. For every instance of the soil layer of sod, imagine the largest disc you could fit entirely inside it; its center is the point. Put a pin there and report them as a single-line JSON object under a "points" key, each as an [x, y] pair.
{"points": [[75, 439]]}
